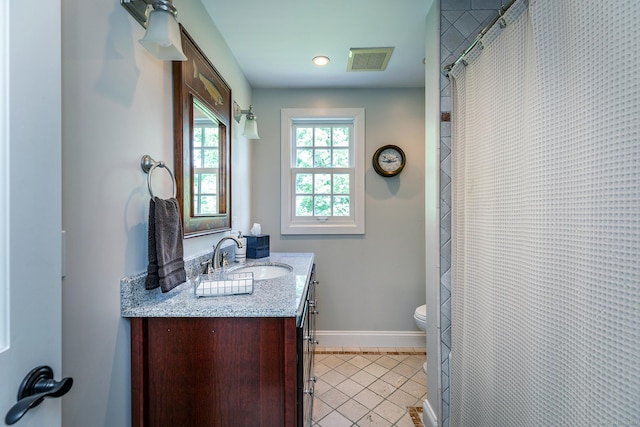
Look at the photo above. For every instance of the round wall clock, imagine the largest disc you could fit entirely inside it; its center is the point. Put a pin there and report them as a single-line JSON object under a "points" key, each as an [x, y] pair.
{"points": [[388, 160]]}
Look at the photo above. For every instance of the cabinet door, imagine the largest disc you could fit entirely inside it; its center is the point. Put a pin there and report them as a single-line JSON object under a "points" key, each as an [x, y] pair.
{"points": [[212, 372]]}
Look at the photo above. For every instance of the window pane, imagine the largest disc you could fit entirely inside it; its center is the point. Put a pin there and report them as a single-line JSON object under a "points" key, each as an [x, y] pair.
{"points": [[208, 205], [304, 205], [323, 137], [322, 158], [304, 158], [322, 206], [196, 157], [211, 137], [304, 184], [304, 137], [340, 158], [196, 183], [209, 183], [341, 205], [341, 183], [341, 137], [323, 183], [211, 158], [197, 137]]}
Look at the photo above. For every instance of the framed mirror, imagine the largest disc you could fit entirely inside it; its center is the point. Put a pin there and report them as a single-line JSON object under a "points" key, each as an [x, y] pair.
{"points": [[202, 142]]}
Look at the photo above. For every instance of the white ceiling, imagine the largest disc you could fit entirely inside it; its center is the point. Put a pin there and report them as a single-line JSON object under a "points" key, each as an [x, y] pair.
{"points": [[275, 40]]}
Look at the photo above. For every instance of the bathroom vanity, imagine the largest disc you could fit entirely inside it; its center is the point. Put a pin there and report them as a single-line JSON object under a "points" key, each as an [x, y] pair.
{"points": [[243, 360]]}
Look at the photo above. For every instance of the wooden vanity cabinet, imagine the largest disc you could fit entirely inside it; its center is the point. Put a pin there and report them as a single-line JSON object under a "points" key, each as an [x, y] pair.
{"points": [[306, 342], [222, 372]]}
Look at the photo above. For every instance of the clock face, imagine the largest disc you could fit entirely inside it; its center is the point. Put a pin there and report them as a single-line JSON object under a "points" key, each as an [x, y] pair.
{"points": [[388, 160]]}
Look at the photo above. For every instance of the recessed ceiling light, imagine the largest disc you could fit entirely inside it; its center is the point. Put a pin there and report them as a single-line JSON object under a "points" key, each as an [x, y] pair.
{"points": [[320, 60]]}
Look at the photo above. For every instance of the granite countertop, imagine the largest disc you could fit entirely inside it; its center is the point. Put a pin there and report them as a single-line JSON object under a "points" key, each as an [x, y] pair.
{"points": [[280, 297]]}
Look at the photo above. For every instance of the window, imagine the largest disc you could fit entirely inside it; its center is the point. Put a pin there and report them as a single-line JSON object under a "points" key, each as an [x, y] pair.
{"points": [[322, 171], [206, 161]]}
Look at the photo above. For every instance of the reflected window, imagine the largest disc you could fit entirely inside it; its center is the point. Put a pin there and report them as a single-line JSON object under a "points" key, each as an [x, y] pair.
{"points": [[205, 161]]}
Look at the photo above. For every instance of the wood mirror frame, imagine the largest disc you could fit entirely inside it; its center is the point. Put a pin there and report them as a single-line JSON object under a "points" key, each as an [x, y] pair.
{"points": [[196, 78]]}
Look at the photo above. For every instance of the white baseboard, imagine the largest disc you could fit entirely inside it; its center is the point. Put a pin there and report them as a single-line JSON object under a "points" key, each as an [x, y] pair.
{"points": [[428, 416], [398, 339]]}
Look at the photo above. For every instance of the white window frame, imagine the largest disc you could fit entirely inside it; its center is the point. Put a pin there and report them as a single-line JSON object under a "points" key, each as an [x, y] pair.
{"points": [[289, 224]]}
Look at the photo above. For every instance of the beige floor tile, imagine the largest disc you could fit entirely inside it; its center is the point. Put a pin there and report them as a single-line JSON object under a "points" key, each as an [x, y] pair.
{"points": [[359, 389], [320, 368], [394, 378], [360, 361], [353, 410], [364, 378], [321, 387], [413, 388], [387, 362], [334, 398], [333, 361], [375, 370], [320, 409], [405, 421], [350, 387], [333, 378], [372, 420], [420, 377], [347, 369], [414, 361], [335, 419], [368, 398], [345, 357], [382, 388], [372, 357], [402, 398], [390, 411], [405, 370]]}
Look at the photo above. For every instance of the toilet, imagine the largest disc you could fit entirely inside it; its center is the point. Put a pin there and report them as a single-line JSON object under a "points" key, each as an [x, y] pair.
{"points": [[420, 316]]}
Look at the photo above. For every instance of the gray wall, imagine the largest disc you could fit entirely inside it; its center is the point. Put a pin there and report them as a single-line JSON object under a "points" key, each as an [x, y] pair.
{"points": [[370, 282], [117, 106]]}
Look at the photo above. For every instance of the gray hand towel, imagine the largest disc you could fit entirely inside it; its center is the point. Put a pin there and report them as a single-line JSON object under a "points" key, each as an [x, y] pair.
{"points": [[166, 264]]}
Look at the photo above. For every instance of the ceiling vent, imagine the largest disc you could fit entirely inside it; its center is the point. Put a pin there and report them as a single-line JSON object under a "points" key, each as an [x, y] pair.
{"points": [[369, 59]]}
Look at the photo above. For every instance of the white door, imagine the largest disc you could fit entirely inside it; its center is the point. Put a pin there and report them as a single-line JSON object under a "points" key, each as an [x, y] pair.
{"points": [[30, 201]]}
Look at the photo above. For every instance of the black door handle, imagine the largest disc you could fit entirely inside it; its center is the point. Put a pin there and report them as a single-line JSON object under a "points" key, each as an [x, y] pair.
{"points": [[37, 385]]}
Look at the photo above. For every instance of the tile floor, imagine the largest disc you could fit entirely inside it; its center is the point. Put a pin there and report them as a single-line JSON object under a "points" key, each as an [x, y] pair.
{"points": [[369, 387]]}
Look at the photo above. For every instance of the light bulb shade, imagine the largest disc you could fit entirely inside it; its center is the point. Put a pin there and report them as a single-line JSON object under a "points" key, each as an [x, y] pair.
{"points": [[251, 128], [162, 38]]}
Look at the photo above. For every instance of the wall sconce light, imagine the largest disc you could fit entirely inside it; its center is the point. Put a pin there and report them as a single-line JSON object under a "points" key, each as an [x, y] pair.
{"points": [[251, 122], [162, 38]]}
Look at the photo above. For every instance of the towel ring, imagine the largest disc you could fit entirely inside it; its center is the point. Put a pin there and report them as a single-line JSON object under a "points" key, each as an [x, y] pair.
{"points": [[148, 165]]}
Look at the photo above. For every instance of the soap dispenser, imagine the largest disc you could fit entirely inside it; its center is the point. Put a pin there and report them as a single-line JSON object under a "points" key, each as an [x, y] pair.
{"points": [[241, 253]]}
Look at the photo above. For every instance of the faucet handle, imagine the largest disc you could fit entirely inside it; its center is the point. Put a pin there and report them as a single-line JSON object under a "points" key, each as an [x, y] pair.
{"points": [[225, 263]]}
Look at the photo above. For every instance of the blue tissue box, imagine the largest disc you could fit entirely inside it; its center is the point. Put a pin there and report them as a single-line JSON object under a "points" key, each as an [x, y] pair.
{"points": [[257, 246]]}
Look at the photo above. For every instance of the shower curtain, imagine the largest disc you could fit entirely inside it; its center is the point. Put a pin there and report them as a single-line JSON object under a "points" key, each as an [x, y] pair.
{"points": [[546, 219]]}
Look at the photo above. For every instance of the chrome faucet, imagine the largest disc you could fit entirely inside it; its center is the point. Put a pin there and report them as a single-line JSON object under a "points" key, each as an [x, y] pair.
{"points": [[215, 261]]}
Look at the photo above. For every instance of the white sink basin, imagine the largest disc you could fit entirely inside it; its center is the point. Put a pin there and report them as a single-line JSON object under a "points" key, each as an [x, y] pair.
{"points": [[264, 270]]}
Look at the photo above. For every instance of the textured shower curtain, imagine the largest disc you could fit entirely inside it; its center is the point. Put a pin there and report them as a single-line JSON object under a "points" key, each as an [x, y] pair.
{"points": [[546, 219]]}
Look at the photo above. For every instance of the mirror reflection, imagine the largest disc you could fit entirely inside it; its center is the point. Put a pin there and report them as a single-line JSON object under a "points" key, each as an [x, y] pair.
{"points": [[202, 142], [205, 155]]}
